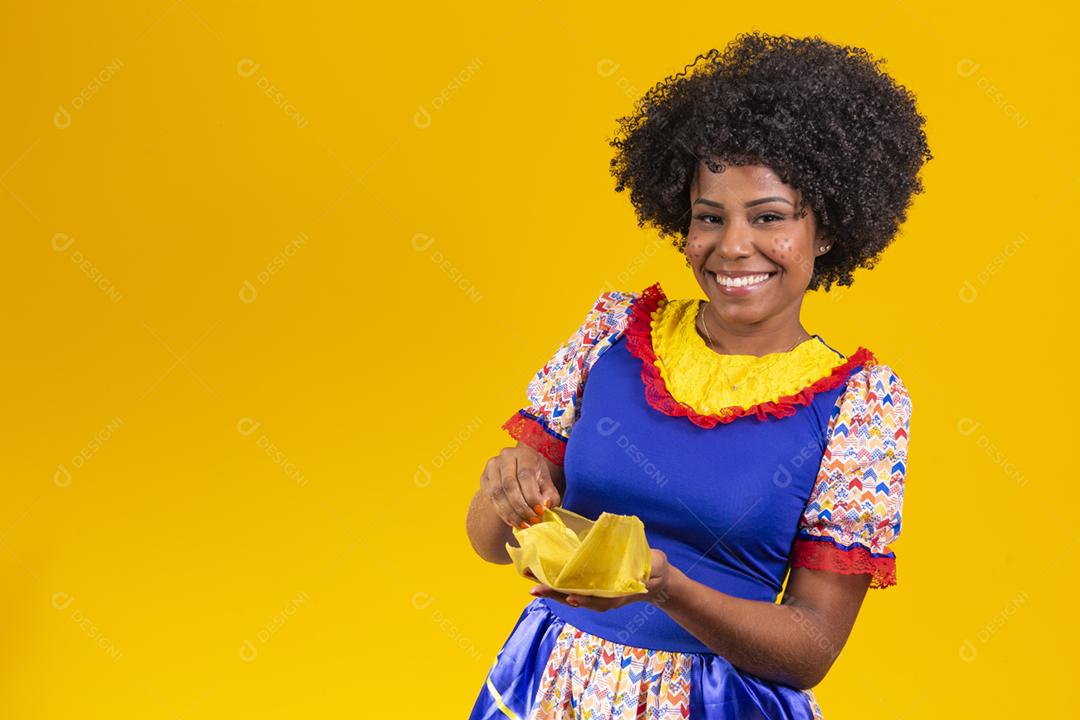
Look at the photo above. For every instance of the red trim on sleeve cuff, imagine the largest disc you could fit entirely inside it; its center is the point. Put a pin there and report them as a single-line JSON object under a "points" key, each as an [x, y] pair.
{"points": [[530, 431], [824, 555]]}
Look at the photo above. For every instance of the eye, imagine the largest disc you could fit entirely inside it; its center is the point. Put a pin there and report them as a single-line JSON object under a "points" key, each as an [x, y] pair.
{"points": [[713, 219]]}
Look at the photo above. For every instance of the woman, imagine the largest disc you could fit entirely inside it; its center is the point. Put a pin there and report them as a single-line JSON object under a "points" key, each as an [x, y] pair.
{"points": [[747, 445]]}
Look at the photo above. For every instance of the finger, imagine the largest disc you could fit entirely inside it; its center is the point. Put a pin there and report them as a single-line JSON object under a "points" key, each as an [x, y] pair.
{"points": [[529, 482], [545, 591], [541, 590], [492, 479], [502, 506], [489, 487], [547, 489], [512, 493], [658, 566], [599, 604]]}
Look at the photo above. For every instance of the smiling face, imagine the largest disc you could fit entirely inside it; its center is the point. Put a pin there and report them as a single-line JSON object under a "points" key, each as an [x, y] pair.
{"points": [[744, 224]]}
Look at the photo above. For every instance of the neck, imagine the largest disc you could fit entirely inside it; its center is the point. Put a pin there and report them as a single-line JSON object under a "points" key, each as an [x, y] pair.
{"points": [[777, 335]]}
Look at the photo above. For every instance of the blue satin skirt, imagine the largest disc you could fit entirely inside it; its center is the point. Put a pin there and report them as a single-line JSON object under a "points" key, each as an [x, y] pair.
{"points": [[548, 669]]}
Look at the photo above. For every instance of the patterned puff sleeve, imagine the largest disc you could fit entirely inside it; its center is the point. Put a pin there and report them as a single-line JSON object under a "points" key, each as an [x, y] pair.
{"points": [[555, 391], [854, 510]]}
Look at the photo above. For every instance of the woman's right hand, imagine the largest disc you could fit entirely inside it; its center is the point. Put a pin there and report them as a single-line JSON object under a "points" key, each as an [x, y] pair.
{"points": [[518, 485]]}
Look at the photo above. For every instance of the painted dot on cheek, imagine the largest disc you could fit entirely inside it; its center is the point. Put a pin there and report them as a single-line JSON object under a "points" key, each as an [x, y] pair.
{"points": [[781, 245]]}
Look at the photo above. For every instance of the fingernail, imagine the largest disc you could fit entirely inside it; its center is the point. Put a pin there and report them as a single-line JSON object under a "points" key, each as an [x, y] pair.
{"points": [[535, 519], [572, 601], [523, 525], [539, 509], [547, 502], [534, 592]]}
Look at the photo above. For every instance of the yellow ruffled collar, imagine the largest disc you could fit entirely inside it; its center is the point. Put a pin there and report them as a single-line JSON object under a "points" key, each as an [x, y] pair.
{"points": [[683, 376]]}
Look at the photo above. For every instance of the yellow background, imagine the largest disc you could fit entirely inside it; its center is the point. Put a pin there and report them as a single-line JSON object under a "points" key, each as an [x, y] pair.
{"points": [[275, 275]]}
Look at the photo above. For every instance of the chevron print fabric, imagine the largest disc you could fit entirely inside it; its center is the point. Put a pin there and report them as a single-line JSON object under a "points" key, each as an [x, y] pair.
{"points": [[588, 677], [549, 669], [555, 391], [854, 512]]}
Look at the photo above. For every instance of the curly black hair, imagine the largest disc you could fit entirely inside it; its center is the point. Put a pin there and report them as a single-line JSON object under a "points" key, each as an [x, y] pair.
{"points": [[822, 116]]}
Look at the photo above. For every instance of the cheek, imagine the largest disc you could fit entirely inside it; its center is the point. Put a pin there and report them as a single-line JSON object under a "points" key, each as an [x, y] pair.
{"points": [[786, 251], [782, 249], [695, 249]]}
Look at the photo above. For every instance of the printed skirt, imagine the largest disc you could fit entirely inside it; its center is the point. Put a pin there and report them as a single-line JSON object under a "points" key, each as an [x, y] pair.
{"points": [[550, 670]]}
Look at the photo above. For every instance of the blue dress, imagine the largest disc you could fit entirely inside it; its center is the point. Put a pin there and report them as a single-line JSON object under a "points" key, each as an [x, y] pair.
{"points": [[805, 470]]}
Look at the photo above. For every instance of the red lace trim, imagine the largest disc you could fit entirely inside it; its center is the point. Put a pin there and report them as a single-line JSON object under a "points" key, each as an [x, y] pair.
{"points": [[532, 433], [824, 555], [639, 342]]}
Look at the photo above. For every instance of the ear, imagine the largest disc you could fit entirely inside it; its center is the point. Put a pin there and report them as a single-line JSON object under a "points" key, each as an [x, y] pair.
{"points": [[822, 244]]}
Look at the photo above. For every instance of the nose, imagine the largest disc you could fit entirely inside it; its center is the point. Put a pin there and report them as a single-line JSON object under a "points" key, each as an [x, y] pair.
{"points": [[735, 240]]}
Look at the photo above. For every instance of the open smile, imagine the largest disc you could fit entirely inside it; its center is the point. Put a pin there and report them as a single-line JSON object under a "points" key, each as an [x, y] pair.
{"points": [[742, 285]]}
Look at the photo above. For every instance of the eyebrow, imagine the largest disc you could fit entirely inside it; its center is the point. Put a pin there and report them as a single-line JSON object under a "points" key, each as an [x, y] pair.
{"points": [[752, 203]]}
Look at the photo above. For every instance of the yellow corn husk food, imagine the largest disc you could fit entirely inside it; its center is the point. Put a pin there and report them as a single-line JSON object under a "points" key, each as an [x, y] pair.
{"points": [[608, 557]]}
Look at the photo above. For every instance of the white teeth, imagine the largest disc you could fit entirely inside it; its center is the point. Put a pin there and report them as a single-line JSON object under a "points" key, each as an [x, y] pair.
{"points": [[741, 281]]}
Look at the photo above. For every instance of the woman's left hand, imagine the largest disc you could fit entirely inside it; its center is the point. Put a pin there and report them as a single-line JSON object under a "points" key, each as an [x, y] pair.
{"points": [[658, 586]]}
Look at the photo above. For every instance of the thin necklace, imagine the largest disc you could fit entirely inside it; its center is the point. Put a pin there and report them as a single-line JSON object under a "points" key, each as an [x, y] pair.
{"points": [[701, 318]]}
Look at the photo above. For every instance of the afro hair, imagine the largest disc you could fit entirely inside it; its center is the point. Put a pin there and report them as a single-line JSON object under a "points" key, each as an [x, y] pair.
{"points": [[825, 118]]}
